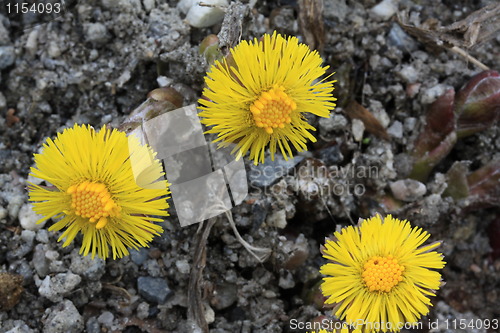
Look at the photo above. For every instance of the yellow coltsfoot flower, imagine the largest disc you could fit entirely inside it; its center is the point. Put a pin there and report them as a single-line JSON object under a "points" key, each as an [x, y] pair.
{"points": [[381, 276], [103, 184], [257, 97]]}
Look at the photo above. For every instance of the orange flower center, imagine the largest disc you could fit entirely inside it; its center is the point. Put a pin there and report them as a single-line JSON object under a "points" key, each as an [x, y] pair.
{"points": [[272, 109], [93, 201], [382, 273]]}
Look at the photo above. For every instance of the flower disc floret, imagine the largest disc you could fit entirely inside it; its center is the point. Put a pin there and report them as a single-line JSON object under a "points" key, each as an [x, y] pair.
{"points": [[382, 273]]}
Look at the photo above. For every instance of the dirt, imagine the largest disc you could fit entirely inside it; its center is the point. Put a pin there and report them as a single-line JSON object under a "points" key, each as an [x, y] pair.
{"points": [[96, 63]]}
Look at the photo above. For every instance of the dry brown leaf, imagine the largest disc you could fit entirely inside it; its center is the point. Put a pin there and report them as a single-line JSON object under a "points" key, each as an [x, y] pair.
{"points": [[480, 26], [311, 23], [357, 111]]}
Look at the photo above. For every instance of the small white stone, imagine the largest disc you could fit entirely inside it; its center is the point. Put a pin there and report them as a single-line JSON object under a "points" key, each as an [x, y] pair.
{"points": [[164, 81], [3, 213], [28, 218], [3, 101], [183, 266], [357, 129], [396, 130], [384, 10], [431, 94], [408, 189], [409, 74], [148, 5], [54, 50], [209, 314], [206, 16], [106, 318], [277, 219]]}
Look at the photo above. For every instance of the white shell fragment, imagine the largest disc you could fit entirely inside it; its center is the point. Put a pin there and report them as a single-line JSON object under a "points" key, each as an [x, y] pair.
{"points": [[205, 15]]}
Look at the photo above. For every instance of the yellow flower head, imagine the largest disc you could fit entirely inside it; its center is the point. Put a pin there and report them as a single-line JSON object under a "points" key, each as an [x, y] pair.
{"points": [[380, 274], [104, 185], [258, 96]]}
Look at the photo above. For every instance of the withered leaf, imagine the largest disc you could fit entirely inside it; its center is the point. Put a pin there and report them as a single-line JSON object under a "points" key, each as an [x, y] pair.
{"points": [[478, 27], [356, 111]]}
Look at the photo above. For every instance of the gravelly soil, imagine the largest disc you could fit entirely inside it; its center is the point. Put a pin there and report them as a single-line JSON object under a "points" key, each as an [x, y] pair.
{"points": [[98, 61]]}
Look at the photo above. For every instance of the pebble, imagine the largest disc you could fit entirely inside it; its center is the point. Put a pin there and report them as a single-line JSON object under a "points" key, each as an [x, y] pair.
{"points": [[31, 45], [409, 74], [3, 101], [225, 295], [28, 218], [331, 155], [384, 10], [430, 95], [410, 123], [54, 50], [91, 269], [40, 262], [154, 290], [357, 129], [42, 236], [15, 203], [7, 56], [396, 130], [138, 257], [183, 266], [277, 219], [202, 16], [63, 318], [408, 189], [57, 287], [142, 310], [286, 280], [4, 34], [3, 213], [20, 327], [92, 326], [106, 318], [28, 236], [96, 33], [397, 37], [333, 123]]}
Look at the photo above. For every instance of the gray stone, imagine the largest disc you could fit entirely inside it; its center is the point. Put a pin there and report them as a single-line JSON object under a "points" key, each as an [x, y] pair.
{"points": [[96, 33], [225, 295], [20, 327], [92, 326], [263, 175], [183, 266], [384, 10], [396, 130], [286, 280], [63, 318], [40, 262], [358, 129], [92, 269], [42, 236], [138, 257], [399, 38], [408, 189], [154, 290], [57, 287], [106, 318], [7, 56]]}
